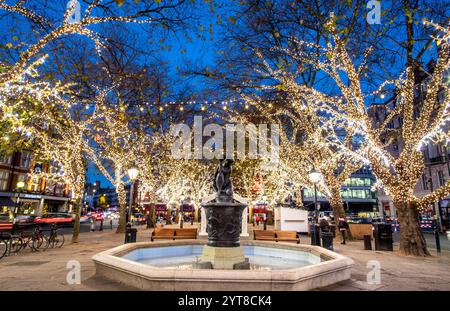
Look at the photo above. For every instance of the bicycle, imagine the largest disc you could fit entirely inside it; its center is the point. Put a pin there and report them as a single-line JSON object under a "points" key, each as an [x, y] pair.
{"points": [[55, 239], [3, 248], [39, 240]]}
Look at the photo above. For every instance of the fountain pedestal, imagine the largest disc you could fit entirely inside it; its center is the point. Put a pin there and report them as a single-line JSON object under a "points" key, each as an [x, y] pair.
{"points": [[224, 221], [227, 258]]}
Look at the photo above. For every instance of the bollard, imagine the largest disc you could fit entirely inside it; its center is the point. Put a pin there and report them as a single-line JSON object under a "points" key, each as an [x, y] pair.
{"points": [[367, 242], [327, 240], [130, 234]]}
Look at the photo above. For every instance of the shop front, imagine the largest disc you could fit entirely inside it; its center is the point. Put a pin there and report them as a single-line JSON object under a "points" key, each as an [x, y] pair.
{"points": [[160, 212], [7, 207], [260, 213], [188, 212]]}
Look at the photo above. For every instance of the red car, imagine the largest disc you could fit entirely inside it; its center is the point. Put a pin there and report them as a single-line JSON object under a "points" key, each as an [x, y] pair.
{"points": [[55, 218], [98, 216]]}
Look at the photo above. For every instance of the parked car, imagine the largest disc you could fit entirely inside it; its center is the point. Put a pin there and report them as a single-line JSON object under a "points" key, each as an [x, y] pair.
{"points": [[55, 218]]}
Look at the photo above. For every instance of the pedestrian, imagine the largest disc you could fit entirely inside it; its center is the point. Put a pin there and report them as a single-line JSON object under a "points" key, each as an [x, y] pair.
{"points": [[343, 227], [92, 224], [101, 225], [324, 225], [111, 222]]}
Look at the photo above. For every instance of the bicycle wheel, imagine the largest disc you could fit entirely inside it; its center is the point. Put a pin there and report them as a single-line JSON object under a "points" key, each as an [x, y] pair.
{"points": [[58, 241], [15, 244], [40, 243], [3, 248]]}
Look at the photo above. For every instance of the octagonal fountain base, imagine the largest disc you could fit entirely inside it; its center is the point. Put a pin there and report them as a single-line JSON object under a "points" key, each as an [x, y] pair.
{"points": [[172, 266]]}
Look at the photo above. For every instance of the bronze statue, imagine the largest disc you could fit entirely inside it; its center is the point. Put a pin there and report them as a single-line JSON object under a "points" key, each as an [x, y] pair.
{"points": [[222, 181]]}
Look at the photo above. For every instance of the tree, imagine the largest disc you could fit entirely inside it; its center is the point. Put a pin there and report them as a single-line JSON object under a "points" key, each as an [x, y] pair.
{"points": [[398, 174]]}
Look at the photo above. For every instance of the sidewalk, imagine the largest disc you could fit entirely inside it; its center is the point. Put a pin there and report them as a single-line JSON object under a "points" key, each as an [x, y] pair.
{"points": [[47, 270]]}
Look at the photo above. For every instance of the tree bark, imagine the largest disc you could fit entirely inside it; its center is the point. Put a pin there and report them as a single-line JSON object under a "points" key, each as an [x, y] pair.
{"points": [[122, 209], [412, 241], [76, 224], [337, 205]]}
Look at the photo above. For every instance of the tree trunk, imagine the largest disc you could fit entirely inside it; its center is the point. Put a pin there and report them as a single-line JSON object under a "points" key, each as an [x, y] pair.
{"points": [[122, 209], [412, 241], [76, 224], [337, 205]]}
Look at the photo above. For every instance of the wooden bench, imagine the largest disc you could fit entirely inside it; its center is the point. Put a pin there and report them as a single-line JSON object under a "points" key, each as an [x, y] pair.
{"points": [[276, 235], [174, 234]]}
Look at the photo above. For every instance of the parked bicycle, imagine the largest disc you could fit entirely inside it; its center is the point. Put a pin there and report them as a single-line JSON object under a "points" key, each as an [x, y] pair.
{"points": [[39, 240], [55, 239], [3, 248]]}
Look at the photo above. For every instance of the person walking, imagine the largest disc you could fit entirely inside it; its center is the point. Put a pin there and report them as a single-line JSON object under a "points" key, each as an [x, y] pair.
{"points": [[343, 227], [92, 224]]}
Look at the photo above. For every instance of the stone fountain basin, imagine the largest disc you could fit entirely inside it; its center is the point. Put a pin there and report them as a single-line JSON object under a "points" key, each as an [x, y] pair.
{"points": [[114, 265]]}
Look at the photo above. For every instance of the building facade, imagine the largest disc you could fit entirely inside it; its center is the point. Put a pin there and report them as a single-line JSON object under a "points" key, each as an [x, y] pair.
{"points": [[357, 194], [38, 196], [436, 155]]}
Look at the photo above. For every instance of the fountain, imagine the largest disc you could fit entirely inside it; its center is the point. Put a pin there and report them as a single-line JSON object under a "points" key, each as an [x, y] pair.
{"points": [[222, 263], [224, 215]]}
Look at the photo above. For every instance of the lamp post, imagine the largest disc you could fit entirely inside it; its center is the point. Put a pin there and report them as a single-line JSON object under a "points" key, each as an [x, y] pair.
{"points": [[315, 177], [19, 187], [132, 173]]}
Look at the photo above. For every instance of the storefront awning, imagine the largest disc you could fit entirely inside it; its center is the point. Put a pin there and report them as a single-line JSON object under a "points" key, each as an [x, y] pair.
{"points": [[7, 202]]}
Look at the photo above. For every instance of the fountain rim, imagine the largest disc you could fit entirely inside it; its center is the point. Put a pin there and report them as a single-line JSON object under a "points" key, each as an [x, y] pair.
{"points": [[112, 259]]}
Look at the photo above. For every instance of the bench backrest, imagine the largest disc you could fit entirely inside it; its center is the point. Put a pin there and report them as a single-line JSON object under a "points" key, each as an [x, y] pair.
{"points": [[286, 234], [264, 234], [186, 232], [164, 232]]}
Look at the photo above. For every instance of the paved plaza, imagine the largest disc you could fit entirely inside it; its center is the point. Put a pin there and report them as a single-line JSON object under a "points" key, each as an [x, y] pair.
{"points": [[48, 270]]}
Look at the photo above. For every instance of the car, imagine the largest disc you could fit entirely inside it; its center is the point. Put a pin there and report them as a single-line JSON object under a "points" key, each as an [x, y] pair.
{"points": [[24, 220], [55, 218], [84, 219], [139, 218], [98, 216]]}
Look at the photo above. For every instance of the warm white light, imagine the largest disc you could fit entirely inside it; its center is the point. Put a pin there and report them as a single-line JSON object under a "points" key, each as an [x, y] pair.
{"points": [[133, 173], [315, 176]]}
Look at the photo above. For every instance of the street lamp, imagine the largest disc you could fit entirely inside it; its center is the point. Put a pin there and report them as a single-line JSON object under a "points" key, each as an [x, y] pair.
{"points": [[19, 187], [315, 177], [132, 173]]}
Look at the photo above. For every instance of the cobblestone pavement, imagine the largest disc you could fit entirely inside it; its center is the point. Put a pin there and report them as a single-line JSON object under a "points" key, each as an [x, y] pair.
{"points": [[48, 270]]}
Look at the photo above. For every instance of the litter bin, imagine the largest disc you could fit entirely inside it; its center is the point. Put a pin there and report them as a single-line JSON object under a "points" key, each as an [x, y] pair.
{"points": [[130, 235], [367, 242], [327, 240], [383, 237], [315, 234]]}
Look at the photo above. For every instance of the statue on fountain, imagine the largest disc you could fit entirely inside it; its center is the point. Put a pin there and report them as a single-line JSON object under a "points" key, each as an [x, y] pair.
{"points": [[222, 181]]}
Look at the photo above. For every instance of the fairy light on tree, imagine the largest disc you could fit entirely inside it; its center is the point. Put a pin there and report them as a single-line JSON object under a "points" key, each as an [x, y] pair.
{"points": [[398, 174]]}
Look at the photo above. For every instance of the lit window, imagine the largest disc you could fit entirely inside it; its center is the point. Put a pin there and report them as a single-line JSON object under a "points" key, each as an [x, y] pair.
{"points": [[25, 159], [4, 180], [5, 158]]}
